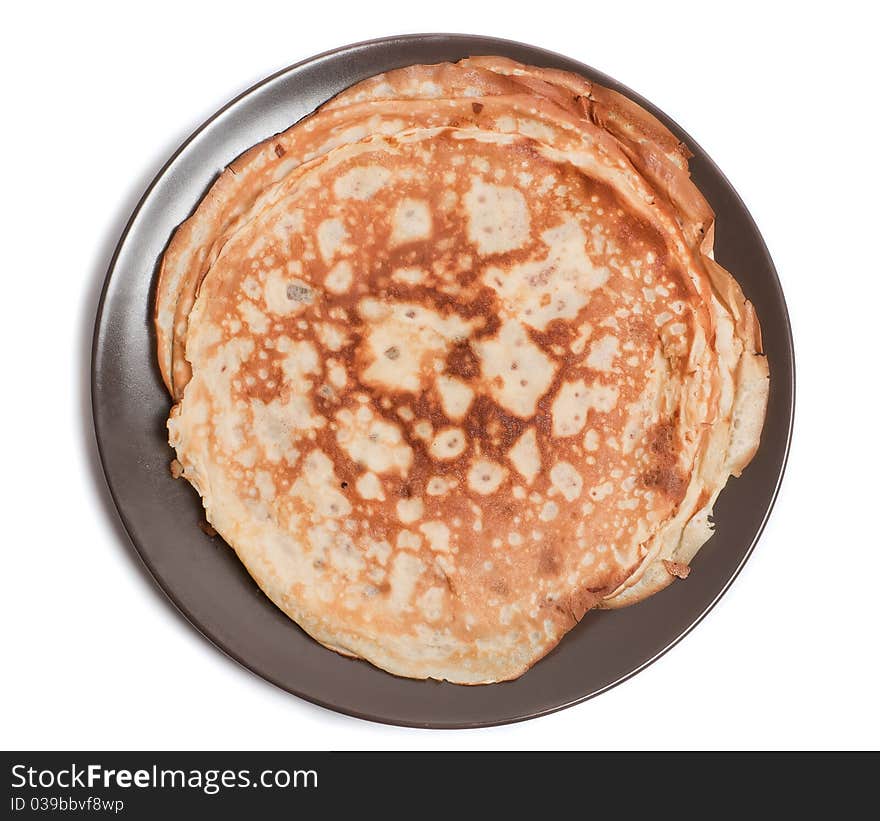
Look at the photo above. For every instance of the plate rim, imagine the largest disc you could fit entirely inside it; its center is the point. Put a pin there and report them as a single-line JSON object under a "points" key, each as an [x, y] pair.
{"points": [[100, 329]]}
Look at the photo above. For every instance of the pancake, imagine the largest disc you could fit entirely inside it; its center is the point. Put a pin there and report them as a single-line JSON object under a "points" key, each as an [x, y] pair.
{"points": [[452, 365]]}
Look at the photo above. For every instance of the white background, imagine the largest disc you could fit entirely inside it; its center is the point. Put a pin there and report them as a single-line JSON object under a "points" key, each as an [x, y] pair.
{"points": [[97, 97]]}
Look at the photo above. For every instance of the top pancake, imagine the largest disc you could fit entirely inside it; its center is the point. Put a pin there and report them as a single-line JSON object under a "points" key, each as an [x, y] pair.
{"points": [[454, 366]]}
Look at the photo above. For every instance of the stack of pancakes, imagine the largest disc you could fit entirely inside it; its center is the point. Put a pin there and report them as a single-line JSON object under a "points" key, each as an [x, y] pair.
{"points": [[452, 364]]}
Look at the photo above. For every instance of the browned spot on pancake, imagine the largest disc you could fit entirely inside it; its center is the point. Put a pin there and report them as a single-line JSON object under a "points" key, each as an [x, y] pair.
{"points": [[461, 361], [326, 400], [448, 582], [559, 332], [662, 439], [492, 426], [279, 150], [549, 563], [499, 586], [667, 480], [529, 149], [637, 329], [477, 107], [664, 474], [677, 569]]}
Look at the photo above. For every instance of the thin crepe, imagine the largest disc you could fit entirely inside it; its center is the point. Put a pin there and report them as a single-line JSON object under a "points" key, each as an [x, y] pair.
{"points": [[453, 364]]}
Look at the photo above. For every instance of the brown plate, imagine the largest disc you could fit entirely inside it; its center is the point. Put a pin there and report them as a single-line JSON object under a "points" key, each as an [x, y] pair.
{"points": [[204, 578]]}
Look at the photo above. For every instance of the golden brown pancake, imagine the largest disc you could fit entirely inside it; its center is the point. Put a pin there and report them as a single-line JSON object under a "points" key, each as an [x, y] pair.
{"points": [[453, 365]]}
